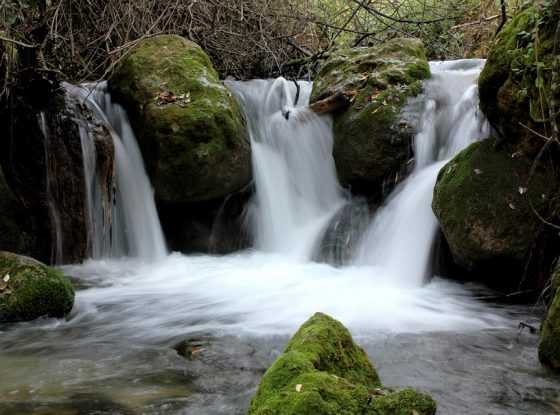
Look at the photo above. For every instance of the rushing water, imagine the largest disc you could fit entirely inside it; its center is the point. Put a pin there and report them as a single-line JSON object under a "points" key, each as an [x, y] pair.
{"points": [[134, 229], [401, 236], [115, 353], [297, 190]]}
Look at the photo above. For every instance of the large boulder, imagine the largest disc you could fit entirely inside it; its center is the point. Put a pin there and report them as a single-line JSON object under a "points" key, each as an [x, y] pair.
{"points": [[487, 203], [189, 126], [30, 289], [515, 86], [372, 137], [323, 372]]}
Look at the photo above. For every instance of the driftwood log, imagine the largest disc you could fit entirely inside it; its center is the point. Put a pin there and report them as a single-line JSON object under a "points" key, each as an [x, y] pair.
{"points": [[336, 102]]}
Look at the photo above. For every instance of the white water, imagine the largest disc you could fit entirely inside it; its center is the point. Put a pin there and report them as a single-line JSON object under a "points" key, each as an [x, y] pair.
{"points": [[401, 235], [297, 195], [259, 293], [129, 313], [297, 190], [134, 229]]}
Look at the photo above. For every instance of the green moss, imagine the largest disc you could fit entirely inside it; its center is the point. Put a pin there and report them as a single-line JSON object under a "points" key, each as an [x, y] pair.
{"points": [[370, 144], [481, 200], [515, 81], [196, 147], [549, 346], [323, 372], [30, 289], [405, 402]]}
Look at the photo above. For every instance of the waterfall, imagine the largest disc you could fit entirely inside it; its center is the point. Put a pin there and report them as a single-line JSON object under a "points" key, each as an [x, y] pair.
{"points": [[54, 214], [132, 226], [402, 233], [297, 190]]}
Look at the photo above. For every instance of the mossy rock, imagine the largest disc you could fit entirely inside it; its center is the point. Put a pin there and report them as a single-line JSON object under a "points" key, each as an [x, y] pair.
{"points": [[371, 141], [549, 345], [486, 206], [516, 79], [29, 289], [323, 372], [189, 126]]}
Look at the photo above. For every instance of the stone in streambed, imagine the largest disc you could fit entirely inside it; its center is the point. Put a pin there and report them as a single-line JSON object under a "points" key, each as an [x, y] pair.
{"points": [[189, 126], [485, 201], [29, 289], [371, 137], [323, 372]]}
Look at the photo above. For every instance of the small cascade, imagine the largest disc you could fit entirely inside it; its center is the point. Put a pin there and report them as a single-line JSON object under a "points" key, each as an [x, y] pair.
{"points": [[98, 171], [125, 221], [297, 190], [57, 249], [401, 235]]}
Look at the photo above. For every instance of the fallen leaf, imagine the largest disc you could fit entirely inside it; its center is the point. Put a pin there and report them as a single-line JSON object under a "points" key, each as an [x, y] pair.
{"points": [[6, 278], [299, 386]]}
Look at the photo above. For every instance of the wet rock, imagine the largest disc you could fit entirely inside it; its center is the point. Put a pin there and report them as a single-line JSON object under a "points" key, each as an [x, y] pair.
{"points": [[191, 348], [343, 234], [14, 223], [214, 226], [42, 161], [515, 84], [549, 345], [322, 371], [371, 136], [188, 124], [30, 289], [485, 200]]}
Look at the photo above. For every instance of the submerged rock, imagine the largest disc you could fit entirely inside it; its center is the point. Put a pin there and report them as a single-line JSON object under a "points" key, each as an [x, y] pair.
{"points": [[188, 124], [323, 372], [485, 201], [30, 289], [515, 85], [371, 136]]}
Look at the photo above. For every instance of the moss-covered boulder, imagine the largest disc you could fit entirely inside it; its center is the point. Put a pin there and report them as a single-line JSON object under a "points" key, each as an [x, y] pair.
{"points": [[30, 289], [515, 85], [323, 372], [486, 204], [189, 126], [371, 139]]}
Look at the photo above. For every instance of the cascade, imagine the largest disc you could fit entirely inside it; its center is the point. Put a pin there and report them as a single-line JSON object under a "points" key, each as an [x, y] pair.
{"points": [[400, 236], [297, 190], [131, 227], [54, 214]]}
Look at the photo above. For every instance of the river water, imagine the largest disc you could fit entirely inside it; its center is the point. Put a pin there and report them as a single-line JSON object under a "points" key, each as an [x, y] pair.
{"points": [[116, 352]]}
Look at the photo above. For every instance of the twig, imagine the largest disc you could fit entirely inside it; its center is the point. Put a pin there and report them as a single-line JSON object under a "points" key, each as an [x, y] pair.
{"points": [[17, 42], [504, 16]]}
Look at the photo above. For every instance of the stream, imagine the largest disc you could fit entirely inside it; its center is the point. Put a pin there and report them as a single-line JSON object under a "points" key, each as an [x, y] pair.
{"points": [[231, 316]]}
